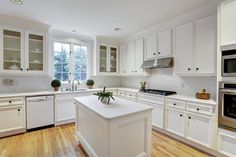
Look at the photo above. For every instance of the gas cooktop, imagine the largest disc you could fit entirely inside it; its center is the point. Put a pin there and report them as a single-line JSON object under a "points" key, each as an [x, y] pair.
{"points": [[159, 92]]}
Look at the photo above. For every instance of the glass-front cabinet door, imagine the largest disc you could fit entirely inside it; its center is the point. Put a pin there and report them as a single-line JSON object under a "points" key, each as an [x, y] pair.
{"points": [[12, 52], [35, 56], [113, 60], [103, 51]]}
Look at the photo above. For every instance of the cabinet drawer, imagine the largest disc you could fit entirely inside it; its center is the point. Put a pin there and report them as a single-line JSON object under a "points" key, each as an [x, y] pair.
{"points": [[11, 101], [175, 104], [131, 95], [203, 109], [150, 99], [121, 93]]}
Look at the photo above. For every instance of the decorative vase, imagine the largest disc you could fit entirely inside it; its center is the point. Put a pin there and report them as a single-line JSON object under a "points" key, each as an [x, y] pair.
{"points": [[105, 100], [56, 89], [90, 87]]}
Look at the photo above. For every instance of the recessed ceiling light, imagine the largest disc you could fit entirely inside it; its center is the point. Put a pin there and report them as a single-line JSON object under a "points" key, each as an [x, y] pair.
{"points": [[117, 29], [20, 2]]}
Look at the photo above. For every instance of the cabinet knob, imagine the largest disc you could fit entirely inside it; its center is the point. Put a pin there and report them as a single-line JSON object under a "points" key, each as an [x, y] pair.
{"points": [[21, 69], [27, 69], [10, 102], [197, 68], [132, 71], [159, 52], [154, 54], [181, 115], [136, 71], [189, 117], [174, 104], [189, 69], [124, 71], [198, 109], [18, 110]]}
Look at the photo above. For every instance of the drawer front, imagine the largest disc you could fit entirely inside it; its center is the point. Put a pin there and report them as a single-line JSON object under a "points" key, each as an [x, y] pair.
{"points": [[203, 109], [121, 93], [11, 101], [131, 95], [150, 99], [175, 104]]}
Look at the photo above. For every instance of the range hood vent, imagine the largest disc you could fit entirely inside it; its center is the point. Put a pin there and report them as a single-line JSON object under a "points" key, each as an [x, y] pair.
{"points": [[158, 63]]}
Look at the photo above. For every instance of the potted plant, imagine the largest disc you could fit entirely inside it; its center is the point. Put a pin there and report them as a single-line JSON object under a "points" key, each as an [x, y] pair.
{"points": [[104, 96], [90, 83], [56, 84]]}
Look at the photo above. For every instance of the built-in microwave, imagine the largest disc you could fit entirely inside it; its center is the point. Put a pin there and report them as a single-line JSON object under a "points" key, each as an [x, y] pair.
{"points": [[228, 68]]}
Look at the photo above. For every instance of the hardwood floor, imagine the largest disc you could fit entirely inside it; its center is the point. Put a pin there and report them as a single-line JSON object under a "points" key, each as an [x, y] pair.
{"points": [[60, 142]]}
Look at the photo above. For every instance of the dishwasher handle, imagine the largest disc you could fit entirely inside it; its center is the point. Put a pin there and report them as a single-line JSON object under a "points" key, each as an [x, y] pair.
{"points": [[38, 99]]}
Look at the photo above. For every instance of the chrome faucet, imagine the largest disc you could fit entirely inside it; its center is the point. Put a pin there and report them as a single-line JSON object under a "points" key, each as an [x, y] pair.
{"points": [[73, 85]]}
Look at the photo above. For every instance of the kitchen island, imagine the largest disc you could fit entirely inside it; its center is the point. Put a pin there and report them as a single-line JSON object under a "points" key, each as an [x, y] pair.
{"points": [[121, 129]]}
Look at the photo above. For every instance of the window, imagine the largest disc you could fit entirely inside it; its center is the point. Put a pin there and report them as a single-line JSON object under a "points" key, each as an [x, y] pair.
{"points": [[70, 62]]}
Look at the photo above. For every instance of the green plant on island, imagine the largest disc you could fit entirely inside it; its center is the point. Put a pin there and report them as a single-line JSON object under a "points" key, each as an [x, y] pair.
{"points": [[104, 96]]}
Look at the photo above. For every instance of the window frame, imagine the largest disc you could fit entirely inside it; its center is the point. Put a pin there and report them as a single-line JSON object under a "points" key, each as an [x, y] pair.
{"points": [[71, 59]]}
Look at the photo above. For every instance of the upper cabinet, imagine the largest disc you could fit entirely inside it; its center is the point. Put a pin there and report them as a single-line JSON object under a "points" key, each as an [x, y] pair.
{"points": [[123, 57], [228, 22], [196, 47], [158, 45], [22, 52], [106, 58]]}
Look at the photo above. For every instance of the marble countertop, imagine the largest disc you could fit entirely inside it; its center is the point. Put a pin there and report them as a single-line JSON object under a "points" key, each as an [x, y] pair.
{"points": [[118, 108]]}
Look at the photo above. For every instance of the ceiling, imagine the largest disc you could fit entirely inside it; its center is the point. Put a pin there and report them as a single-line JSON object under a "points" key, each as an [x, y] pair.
{"points": [[100, 17]]}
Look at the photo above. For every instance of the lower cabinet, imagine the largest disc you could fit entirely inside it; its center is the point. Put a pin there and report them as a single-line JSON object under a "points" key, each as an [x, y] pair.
{"points": [[199, 129], [227, 142], [12, 116], [175, 121], [65, 107], [157, 116]]}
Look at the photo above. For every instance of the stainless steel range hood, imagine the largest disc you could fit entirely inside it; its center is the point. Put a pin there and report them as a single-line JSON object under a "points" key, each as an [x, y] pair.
{"points": [[158, 63]]}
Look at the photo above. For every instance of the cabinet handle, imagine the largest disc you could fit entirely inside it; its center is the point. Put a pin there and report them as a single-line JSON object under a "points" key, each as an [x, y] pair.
{"points": [[132, 71], [189, 117], [18, 110], [159, 52], [197, 68], [130, 95], [189, 69], [136, 71], [124, 71], [174, 104], [198, 109], [181, 115], [10, 102]]}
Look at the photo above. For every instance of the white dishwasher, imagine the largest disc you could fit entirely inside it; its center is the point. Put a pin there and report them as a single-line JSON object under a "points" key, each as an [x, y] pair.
{"points": [[40, 111]]}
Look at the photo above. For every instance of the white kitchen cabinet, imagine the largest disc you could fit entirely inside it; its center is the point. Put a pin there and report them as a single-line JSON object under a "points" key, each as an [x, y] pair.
{"points": [[184, 49], [227, 142], [164, 44], [175, 121], [196, 43], [108, 59], [228, 22], [157, 115], [123, 57], [138, 56], [65, 107], [12, 116], [22, 51], [205, 45], [135, 57], [199, 129], [35, 57], [151, 46]]}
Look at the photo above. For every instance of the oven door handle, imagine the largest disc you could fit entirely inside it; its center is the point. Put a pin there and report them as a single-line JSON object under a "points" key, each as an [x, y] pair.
{"points": [[231, 91]]}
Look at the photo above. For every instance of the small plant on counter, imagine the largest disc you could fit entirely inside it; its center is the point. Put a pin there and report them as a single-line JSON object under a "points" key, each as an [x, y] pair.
{"points": [[104, 96], [90, 83], [56, 84]]}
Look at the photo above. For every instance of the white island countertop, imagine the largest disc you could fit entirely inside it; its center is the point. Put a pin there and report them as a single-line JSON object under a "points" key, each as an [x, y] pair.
{"points": [[119, 107]]}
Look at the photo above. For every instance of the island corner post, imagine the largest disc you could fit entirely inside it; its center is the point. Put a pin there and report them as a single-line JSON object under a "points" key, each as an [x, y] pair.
{"points": [[120, 129]]}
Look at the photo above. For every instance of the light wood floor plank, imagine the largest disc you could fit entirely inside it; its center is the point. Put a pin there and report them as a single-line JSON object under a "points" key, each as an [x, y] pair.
{"points": [[60, 142]]}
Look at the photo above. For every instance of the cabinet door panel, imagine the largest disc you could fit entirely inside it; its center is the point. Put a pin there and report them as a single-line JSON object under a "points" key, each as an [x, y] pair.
{"points": [[157, 116], [65, 109], [113, 57], [151, 46], [103, 58], [205, 45], [164, 43], [123, 57], [184, 49], [175, 121], [199, 129], [138, 56], [130, 57]]}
